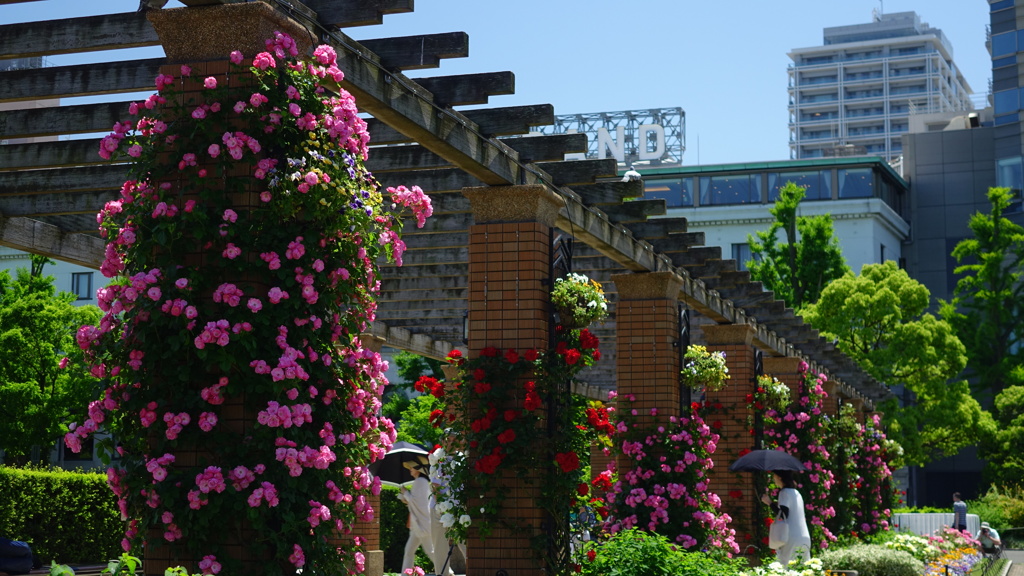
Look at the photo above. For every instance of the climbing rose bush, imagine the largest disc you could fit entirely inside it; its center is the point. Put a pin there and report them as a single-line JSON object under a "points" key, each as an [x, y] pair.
{"points": [[242, 400]]}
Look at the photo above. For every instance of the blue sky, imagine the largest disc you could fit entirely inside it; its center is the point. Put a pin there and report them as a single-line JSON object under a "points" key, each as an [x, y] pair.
{"points": [[723, 62]]}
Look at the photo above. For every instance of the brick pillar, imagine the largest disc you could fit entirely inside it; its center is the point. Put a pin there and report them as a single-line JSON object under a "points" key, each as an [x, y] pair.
{"points": [[736, 341], [647, 353], [509, 303], [831, 404], [203, 38], [786, 370]]}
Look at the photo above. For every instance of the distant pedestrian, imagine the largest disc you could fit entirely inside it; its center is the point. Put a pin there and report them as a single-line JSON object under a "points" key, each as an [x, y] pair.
{"points": [[796, 542], [418, 500], [959, 513]]}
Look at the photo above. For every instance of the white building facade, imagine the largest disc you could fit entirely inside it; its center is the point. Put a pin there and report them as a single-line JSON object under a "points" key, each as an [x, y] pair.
{"points": [[855, 93]]}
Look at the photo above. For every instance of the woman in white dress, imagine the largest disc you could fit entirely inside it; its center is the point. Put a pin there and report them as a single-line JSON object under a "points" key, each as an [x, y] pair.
{"points": [[790, 508], [418, 500]]}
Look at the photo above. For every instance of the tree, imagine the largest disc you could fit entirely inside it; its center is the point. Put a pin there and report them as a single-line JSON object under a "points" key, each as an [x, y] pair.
{"points": [[879, 319], [987, 310], [44, 383], [412, 416], [1002, 449], [798, 269]]}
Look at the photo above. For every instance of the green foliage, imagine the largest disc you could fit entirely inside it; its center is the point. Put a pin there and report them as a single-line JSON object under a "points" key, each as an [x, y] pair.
{"points": [[1002, 507], [873, 560], [879, 319], [394, 533], [635, 552], [798, 269], [415, 424], [69, 517], [411, 366], [1001, 448], [987, 310], [37, 330]]}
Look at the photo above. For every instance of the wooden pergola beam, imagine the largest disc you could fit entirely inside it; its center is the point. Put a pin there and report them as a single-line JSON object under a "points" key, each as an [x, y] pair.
{"points": [[79, 80], [34, 236], [467, 89], [68, 36], [351, 13], [418, 52], [60, 120]]}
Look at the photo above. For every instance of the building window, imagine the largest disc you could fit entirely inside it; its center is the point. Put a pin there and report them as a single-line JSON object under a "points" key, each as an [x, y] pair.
{"points": [[881, 253], [81, 285], [734, 189], [1010, 174], [856, 183], [1003, 44], [742, 255], [675, 192], [817, 184]]}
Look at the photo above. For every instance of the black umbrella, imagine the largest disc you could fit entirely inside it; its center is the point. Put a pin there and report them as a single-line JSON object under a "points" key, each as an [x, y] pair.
{"points": [[766, 460], [391, 469]]}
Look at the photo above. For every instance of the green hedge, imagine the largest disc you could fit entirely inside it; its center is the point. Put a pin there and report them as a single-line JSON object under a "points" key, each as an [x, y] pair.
{"points": [[69, 517], [393, 530]]}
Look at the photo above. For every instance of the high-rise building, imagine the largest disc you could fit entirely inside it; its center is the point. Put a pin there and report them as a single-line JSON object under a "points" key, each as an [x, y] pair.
{"points": [[854, 94]]}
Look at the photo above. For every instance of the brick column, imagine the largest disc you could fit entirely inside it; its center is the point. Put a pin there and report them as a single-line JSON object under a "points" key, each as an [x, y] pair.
{"points": [[787, 370], [647, 341], [831, 404], [736, 341], [509, 307]]}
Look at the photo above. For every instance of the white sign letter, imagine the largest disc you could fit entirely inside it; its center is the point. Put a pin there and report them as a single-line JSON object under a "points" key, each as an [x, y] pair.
{"points": [[605, 143], [659, 141]]}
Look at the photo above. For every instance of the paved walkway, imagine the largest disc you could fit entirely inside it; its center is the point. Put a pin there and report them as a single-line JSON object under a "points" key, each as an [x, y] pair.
{"points": [[1017, 558]]}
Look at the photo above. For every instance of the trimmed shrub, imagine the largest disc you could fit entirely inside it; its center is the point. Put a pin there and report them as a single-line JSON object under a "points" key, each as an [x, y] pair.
{"points": [[69, 517], [636, 552], [873, 560]]}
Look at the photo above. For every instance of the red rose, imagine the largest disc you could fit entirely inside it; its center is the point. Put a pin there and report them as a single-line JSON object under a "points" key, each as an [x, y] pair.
{"points": [[532, 401], [489, 352], [745, 451], [572, 357], [530, 355], [582, 489], [694, 405], [424, 383], [717, 424], [507, 436], [597, 355], [488, 464], [750, 398], [479, 374], [481, 387], [511, 415], [591, 554], [588, 340], [530, 386], [737, 494], [437, 389], [561, 347], [454, 357], [567, 461], [480, 425], [511, 356], [436, 417]]}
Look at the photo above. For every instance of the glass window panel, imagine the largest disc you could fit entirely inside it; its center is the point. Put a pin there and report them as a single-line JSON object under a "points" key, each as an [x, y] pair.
{"points": [[1007, 101], [817, 184], [81, 285], [733, 189], [742, 255], [856, 183], [1003, 44], [674, 192], [1004, 61], [1010, 173]]}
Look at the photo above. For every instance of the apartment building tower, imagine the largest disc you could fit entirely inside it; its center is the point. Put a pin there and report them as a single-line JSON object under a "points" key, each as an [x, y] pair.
{"points": [[854, 94]]}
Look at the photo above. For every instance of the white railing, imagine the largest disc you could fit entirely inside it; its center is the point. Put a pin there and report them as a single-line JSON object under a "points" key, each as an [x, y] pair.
{"points": [[924, 524]]}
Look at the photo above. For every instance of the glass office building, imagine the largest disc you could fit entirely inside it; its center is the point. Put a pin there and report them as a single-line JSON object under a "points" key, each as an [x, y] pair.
{"points": [[856, 92]]}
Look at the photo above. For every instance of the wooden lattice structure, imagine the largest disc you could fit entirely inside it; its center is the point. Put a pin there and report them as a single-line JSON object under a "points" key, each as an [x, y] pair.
{"points": [[426, 131]]}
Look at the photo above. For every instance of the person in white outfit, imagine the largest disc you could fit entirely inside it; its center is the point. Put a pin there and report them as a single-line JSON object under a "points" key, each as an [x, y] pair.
{"points": [[417, 499], [791, 509]]}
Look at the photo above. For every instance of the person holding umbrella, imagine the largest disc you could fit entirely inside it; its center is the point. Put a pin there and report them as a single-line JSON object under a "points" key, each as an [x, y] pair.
{"points": [[417, 499], [795, 540]]}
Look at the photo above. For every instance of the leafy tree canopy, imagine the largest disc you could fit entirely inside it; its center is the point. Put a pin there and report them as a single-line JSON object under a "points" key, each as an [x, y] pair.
{"points": [[1002, 451], [987, 310], [37, 331], [798, 268], [412, 416], [879, 319]]}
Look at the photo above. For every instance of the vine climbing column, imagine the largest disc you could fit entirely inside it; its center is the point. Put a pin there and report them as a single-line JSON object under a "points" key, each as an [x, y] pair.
{"points": [[509, 308]]}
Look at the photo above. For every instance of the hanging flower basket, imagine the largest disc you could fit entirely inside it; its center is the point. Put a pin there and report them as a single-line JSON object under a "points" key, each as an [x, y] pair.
{"points": [[579, 301]]}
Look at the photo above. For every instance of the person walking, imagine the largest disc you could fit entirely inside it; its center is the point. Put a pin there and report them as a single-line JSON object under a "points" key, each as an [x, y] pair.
{"points": [[790, 509], [417, 499], [959, 513]]}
